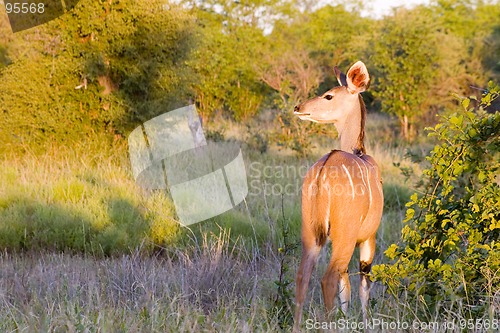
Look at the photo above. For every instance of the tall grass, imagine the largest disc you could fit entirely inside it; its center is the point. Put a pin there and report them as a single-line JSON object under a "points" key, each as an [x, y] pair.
{"points": [[213, 287], [78, 201], [84, 249]]}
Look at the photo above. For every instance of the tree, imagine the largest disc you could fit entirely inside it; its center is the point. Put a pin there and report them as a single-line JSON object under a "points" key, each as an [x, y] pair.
{"points": [[333, 36], [288, 69], [404, 54], [230, 38], [475, 22]]}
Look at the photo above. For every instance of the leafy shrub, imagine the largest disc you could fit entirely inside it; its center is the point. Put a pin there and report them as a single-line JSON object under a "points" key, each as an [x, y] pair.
{"points": [[296, 134], [450, 248], [283, 304], [94, 74]]}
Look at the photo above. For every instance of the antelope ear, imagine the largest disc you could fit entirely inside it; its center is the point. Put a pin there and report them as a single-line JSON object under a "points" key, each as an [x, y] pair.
{"points": [[340, 76], [358, 78]]}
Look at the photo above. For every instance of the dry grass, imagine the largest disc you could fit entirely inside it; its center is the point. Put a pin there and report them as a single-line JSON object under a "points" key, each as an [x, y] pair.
{"points": [[212, 288]]}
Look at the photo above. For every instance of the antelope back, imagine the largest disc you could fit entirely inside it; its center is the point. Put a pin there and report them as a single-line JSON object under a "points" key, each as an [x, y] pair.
{"points": [[342, 197]]}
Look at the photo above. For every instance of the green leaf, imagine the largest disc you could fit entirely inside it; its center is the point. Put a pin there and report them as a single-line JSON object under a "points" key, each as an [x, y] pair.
{"points": [[410, 212], [465, 103]]}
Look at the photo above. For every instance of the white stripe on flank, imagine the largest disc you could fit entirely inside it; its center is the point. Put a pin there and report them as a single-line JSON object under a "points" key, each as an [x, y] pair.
{"points": [[327, 215], [369, 186], [317, 175], [379, 186], [377, 181], [350, 180], [361, 171]]}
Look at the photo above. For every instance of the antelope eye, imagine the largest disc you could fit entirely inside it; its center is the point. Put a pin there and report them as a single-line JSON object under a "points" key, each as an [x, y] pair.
{"points": [[328, 97]]}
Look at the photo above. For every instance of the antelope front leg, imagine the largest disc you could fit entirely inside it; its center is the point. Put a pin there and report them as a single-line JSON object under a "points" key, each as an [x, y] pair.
{"points": [[344, 292]]}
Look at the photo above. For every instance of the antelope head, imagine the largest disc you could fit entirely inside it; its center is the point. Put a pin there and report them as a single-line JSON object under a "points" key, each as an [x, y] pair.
{"points": [[342, 106]]}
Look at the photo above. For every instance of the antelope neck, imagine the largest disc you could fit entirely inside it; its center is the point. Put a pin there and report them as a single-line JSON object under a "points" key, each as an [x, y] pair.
{"points": [[351, 129]]}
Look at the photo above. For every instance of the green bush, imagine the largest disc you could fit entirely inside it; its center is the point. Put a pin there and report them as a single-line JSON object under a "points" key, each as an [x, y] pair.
{"points": [[450, 248], [93, 74]]}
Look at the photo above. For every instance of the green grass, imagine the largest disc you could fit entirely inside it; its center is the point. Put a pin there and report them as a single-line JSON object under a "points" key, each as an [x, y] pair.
{"points": [[84, 249], [78, 202]]}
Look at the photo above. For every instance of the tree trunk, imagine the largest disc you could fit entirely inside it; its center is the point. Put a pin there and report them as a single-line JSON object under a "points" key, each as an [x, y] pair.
{"points": [[405, 128]]}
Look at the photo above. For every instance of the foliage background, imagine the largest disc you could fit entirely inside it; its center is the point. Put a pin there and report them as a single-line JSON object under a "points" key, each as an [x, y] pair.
{"points": [[85, 249], [137, 59]]}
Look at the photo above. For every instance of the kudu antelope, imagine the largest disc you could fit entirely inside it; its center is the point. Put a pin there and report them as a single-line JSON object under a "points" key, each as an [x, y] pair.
{"points": [[342, 195]]}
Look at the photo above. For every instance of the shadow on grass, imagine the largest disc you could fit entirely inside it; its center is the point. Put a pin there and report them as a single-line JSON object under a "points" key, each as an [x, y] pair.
{"points": [[115, 226]]}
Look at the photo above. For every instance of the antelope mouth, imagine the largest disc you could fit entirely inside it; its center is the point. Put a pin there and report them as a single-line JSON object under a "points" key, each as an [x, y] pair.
{"points": [[301, 113]]}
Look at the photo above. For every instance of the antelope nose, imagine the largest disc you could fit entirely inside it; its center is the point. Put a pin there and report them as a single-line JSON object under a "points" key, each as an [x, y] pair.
{"points": [[296, 108]]}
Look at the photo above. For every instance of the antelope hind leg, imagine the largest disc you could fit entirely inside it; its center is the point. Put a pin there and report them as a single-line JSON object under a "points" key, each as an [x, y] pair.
{"points": [[337, 277], [307, 263], [366, 254]]}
